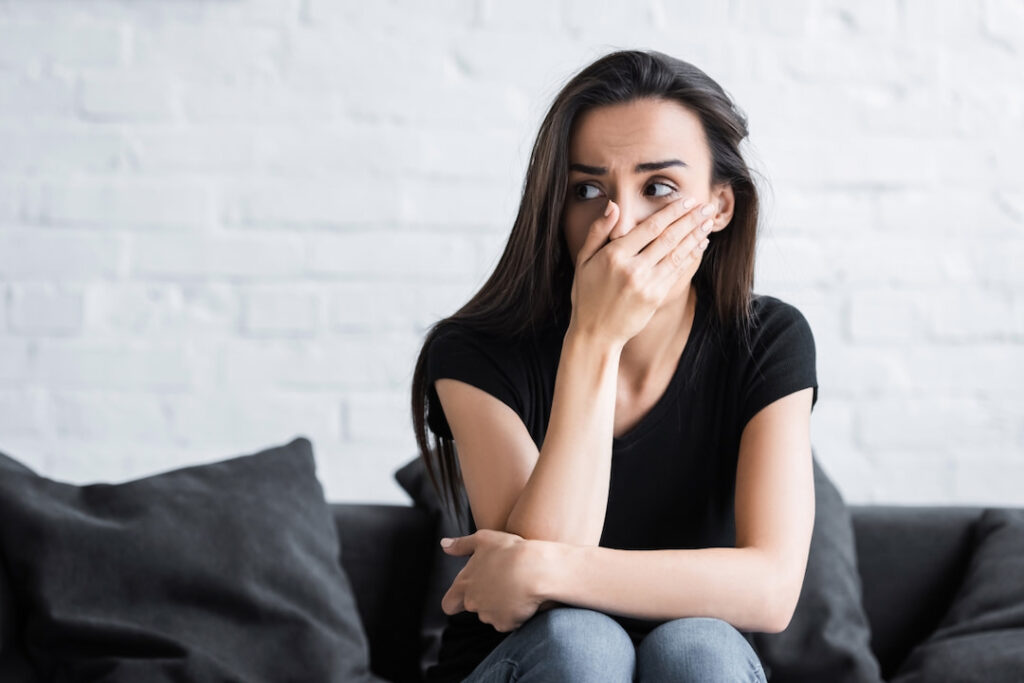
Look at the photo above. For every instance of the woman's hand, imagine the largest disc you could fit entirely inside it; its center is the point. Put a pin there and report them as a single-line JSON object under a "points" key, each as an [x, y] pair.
{"points": [[500, 582], [619, 284]]}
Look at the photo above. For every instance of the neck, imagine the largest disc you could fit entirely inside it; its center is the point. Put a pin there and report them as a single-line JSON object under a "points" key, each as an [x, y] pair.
{"points": [[655, 351]]}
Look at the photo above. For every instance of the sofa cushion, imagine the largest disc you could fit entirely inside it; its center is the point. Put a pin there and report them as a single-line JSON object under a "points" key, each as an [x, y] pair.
{"points": [[386, 548], [829, 637], [223, 571], [413, 478], [912, 559], [981, 637], [14, 664]]}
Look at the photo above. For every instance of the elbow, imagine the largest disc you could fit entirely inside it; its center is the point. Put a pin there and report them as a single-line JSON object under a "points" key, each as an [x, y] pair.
{"points": [[781, 603]]}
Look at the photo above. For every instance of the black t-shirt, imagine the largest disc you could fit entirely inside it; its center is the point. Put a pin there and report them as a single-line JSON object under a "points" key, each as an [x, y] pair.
{"points": [[673, 475]]}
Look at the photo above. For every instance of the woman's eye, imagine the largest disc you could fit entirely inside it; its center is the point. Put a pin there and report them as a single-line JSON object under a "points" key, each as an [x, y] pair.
{"points": [[668, 189], [586, 191]]}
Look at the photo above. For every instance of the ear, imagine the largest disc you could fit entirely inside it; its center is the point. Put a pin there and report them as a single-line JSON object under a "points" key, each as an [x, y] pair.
{"points": [[724, 198]]}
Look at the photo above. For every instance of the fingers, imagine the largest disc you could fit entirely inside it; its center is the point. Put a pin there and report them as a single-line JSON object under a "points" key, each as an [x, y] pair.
{"points": [[652, 226], [452, 603], [598, 233], [689, 231], [688, 250], [460, 545]]}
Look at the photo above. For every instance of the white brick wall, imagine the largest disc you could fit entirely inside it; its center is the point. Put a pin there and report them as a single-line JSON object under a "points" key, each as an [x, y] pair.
{"points": [[226, 224]]}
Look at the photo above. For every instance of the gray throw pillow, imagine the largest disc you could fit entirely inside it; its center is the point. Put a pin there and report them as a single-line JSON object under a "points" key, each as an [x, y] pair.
{"points": [[981, 637], [829, 637], [226, 571]]}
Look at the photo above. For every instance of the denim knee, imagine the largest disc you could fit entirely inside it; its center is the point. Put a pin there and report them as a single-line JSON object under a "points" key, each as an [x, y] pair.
{"points": [[583, 644], [697, 649]]}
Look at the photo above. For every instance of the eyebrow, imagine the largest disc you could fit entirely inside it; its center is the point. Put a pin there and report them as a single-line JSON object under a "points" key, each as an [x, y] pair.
{"points": [[645, 167]]}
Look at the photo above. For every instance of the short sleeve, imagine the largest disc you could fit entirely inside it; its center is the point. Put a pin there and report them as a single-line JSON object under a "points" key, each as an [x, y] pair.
{"points": [[466, 355], [781, 361]]}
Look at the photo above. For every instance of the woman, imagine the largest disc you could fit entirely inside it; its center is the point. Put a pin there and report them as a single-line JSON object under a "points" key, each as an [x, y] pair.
{"points": [[632, 423]]}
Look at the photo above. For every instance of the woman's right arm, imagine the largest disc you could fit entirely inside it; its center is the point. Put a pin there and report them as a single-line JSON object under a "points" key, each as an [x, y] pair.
{"points": [[561, 492], [566, 496]]}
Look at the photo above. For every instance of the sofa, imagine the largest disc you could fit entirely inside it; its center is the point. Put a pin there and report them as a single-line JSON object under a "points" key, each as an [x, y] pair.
{"points": [[911, 561], [241, 570]]}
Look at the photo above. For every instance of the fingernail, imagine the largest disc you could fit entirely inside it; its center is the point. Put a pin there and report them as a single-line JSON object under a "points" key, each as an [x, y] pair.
{"points": [[608, 209], [706, 211], [689, 203], [445, 542]]}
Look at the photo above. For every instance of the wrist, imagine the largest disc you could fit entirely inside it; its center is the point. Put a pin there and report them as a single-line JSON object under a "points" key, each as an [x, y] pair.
{"points": [[554, 563]]}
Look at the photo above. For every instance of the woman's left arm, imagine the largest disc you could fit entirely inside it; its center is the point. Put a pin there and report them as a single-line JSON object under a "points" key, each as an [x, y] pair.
{"points": [[753, 586]]}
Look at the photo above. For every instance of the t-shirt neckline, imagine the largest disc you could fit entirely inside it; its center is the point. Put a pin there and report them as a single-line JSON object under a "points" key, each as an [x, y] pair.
{"points": [[654, 415]]}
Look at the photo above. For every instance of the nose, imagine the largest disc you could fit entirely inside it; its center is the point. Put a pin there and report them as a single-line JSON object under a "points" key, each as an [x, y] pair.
{"points": [[631, 212]]}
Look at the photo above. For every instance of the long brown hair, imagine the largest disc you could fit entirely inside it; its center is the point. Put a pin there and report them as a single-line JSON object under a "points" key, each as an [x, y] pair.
{"points": [[530, 286]]}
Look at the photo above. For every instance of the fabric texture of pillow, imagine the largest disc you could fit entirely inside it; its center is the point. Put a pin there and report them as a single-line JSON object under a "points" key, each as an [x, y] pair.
{"points": [[981, 637], [829, 637], [214, 572], [14, 665]]}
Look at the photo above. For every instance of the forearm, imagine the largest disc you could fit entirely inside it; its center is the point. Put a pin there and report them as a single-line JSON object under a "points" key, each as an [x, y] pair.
{"points": [[566, 496], [737, 585]]}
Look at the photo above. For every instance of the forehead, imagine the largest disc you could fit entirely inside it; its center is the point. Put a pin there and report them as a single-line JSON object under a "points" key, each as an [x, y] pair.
{"points": [[646, 129]]}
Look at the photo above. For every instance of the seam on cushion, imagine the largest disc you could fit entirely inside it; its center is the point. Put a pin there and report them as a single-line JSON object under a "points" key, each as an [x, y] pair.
{"points": [[514, 676]]}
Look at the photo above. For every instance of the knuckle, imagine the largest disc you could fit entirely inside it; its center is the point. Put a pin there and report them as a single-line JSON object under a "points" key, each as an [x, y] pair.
{"points": [[676, 258]]}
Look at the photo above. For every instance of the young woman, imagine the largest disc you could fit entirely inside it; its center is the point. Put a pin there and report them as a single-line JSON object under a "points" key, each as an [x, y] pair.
{"points": [[628, 422]]}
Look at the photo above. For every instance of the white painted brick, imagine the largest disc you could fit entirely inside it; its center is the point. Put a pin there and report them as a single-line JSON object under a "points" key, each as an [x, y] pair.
{"points": [[377, 361], [46, 309], [862, 372], [362, 307], [79, 364], [974, 314], [913, 477], [374, 417], [386, 254], [71, 43], [272, 311], [537, 15], [405, 15], [989, 369], [782, 261], [109, 415], [127, 96], [208, 256], [17, 360], [317, 210], [263, 418], [989, 482], [888, 316], [899, 260], [30, 98], [132, 204], [59, 254], [128, 309], [199, 149], [314, 203], [929, 424], [252, 103], [818, 213], [22, 412], [30, 150], [208, 52]]}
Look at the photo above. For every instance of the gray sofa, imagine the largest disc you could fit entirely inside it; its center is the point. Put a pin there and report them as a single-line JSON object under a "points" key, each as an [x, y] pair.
{"points": [[911, 560]]}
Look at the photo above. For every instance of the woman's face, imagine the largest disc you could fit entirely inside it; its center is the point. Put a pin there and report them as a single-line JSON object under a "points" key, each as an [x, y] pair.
{"points": [[641, 155]]}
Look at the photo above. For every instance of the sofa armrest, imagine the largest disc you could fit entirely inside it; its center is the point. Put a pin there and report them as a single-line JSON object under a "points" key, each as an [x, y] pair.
{"points": [[385, 550], [911, 561]]}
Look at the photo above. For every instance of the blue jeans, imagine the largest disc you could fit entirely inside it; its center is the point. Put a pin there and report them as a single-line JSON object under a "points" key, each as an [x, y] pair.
{"points": [[577, 644]]}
